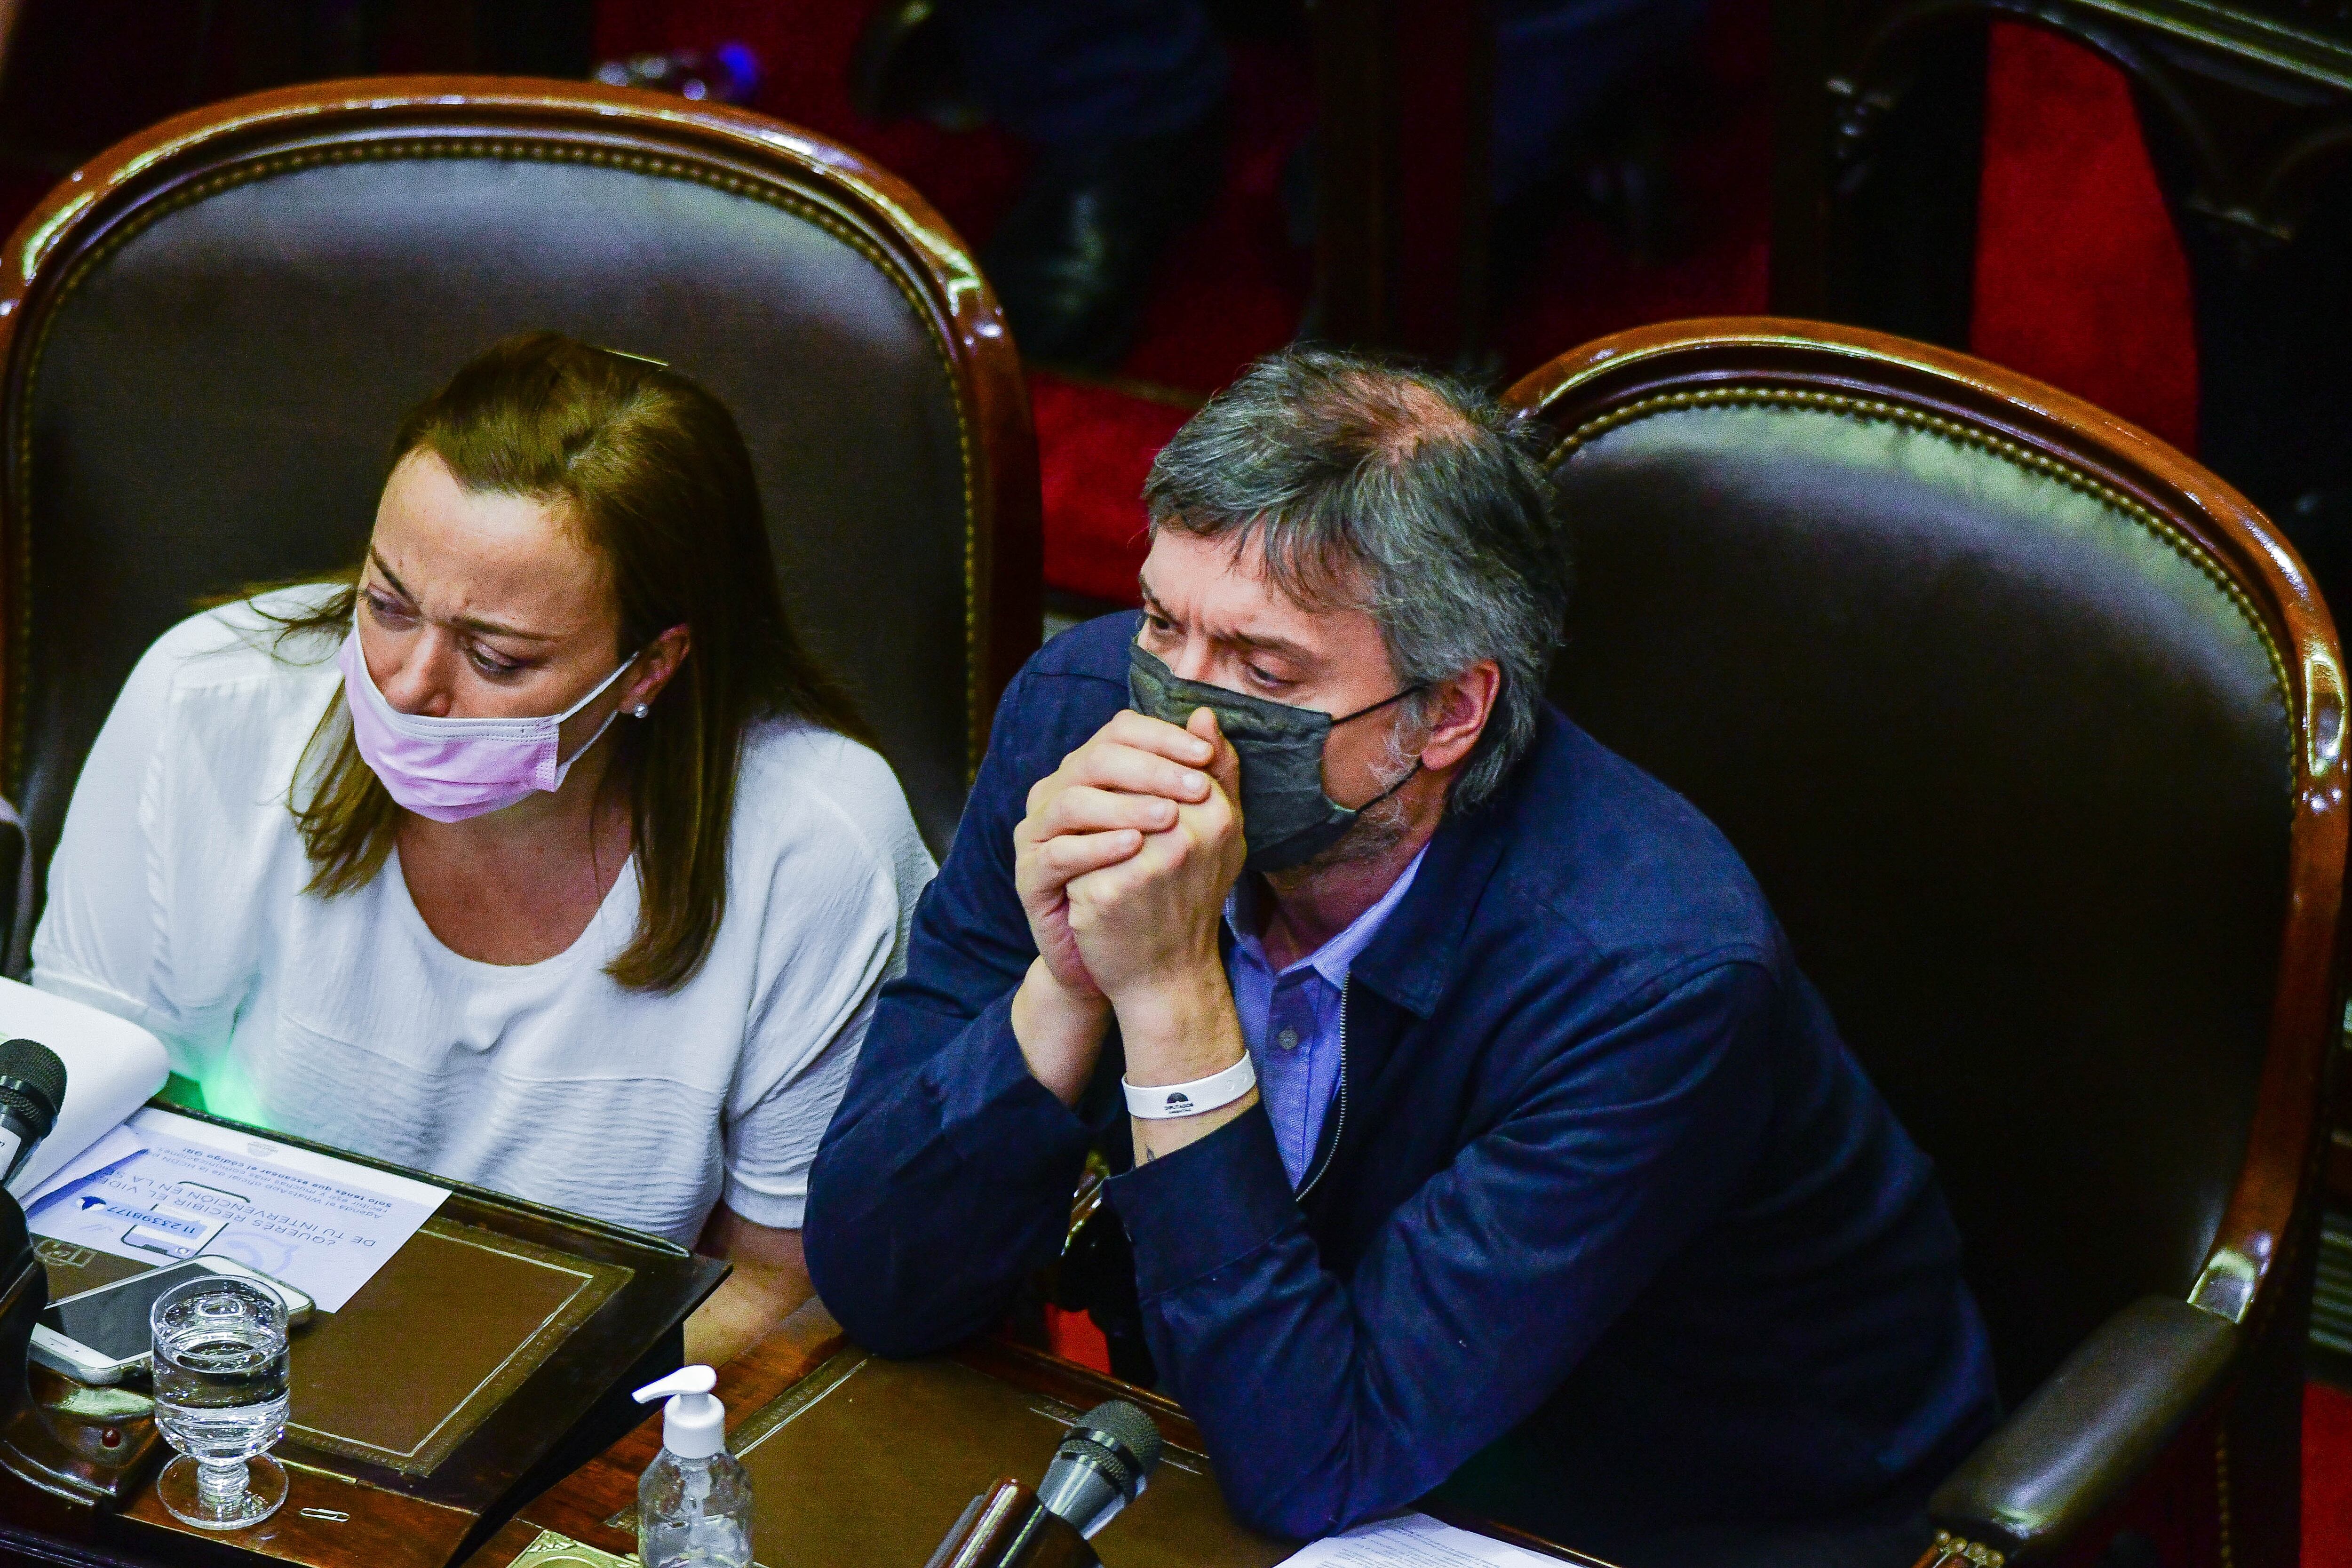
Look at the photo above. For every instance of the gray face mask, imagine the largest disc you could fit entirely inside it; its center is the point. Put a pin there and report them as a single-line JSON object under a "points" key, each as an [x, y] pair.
{"points": [[1288, 818]]}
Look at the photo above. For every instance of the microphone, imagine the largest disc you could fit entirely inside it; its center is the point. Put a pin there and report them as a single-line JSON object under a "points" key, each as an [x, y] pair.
{"points": [[32, 1088], [1102, 1464]]}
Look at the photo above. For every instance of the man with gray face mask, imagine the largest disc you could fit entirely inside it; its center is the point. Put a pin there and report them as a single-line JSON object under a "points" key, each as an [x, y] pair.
{"points": [[1474, 1126]]}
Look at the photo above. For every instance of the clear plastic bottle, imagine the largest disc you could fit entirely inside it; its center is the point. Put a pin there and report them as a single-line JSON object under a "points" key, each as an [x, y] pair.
{"points": [[694, 1501]]}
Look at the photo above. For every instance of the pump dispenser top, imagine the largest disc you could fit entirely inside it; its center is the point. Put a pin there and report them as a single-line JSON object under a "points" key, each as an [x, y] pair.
{"points": [[694, 1423]]}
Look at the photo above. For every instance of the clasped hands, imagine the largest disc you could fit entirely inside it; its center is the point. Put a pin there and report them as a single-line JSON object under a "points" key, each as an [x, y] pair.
{"points": [[1123, 863]]}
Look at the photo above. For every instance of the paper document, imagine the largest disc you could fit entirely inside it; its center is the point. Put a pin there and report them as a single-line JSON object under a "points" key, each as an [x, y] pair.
{"points": [[113, 1066], [118, 1145], [323, 1226], [1414, 1541]]}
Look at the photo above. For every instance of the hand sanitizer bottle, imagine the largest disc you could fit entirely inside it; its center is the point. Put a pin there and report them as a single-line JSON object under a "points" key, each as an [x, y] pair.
{"points": [[694, 1503]]}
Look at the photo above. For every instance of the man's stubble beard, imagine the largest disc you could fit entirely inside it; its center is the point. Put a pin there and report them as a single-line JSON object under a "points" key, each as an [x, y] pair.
{"points": [[1377, 831]]}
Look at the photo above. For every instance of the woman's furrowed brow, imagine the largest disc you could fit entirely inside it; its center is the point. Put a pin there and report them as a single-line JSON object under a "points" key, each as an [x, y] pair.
{"points": [[391, 579], [466, 623]]}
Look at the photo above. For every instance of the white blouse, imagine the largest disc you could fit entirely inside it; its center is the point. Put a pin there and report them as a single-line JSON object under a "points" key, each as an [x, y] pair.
{"points": [[176, 901]]}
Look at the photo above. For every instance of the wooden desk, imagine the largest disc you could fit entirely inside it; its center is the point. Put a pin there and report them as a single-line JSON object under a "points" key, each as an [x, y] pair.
{"points": [[330, 1520], [579, 1506], [584, 1509]]}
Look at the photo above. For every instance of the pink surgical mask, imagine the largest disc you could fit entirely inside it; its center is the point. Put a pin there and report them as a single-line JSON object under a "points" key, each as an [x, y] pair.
{"points": [[451, 769]]}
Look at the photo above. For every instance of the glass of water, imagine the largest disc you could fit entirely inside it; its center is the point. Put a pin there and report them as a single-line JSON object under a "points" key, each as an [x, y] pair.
{"points": [[220, 1400]]}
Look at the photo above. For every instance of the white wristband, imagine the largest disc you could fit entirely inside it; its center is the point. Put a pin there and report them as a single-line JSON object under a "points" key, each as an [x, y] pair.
{"points": [[1166, 1101]]}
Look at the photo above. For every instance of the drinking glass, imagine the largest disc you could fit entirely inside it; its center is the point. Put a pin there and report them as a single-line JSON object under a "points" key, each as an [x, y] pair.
{"points": [[220, 1400]]}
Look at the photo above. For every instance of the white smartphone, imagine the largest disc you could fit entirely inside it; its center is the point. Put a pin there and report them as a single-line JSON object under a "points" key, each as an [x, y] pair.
{"points": [[97, 1336]]}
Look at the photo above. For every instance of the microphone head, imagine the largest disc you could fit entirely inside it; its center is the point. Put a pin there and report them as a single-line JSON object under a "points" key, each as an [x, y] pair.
{"points": [[32, 1082], [1101, 1466], [1131, 1435]]}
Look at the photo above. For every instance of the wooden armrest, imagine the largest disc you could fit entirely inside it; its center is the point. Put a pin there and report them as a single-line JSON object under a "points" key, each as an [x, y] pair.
{"points": [[2082, 1437]]}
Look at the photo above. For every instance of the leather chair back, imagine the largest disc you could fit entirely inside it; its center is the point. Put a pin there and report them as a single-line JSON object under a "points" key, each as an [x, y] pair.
{"points": [[2031, 730], [212, 329]]}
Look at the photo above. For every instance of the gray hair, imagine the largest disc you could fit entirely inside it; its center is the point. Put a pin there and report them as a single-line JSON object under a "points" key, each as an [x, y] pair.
{"points": [[1399, 492]]}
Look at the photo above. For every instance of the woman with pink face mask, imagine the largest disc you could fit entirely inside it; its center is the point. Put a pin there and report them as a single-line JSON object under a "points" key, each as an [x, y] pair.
{"points": [[538, 853]]}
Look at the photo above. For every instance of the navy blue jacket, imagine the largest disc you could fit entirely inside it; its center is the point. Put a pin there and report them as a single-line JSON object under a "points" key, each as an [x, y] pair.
{"points": [[1604, 1194]]}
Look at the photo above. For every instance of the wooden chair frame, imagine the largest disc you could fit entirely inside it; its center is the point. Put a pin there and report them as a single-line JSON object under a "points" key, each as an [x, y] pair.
{"points": [[2259, 1256]]}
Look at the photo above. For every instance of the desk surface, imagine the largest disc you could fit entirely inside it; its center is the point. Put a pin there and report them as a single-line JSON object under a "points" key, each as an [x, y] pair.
{"points": [[586, 1507], [329, 1519]]}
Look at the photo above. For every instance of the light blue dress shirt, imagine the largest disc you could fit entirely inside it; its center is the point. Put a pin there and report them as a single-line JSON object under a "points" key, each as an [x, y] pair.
{"points": [[1291, 1021]]}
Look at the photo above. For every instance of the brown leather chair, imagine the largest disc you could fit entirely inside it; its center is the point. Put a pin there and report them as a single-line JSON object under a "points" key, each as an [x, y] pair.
{"points": [[2033, 731], [211, 331]]}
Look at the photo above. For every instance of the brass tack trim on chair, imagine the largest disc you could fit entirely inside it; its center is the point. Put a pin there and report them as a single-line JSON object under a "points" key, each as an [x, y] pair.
{"points": [[1874, 408], [1950, 1548], [2221, 1488], [419, 148]]}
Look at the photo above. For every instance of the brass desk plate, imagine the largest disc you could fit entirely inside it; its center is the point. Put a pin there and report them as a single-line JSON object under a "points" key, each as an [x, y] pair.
{"points": [[469, 1315], [554, 1551]]}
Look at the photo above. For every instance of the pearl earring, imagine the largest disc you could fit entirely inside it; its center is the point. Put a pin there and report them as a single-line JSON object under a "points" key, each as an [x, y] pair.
{"points": [[640, 710]]}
